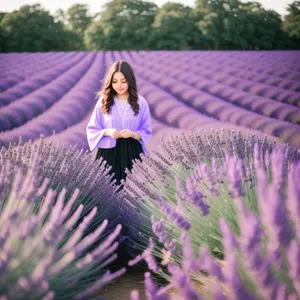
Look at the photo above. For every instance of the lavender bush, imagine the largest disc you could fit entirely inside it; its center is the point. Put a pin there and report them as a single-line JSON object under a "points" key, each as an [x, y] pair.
{"points": [[247, 91], [190, 181], [49, 242], [261, 260], [67, 167]]}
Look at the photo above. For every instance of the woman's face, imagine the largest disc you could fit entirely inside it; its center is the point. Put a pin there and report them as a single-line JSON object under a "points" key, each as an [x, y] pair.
{"points": [[120, 84]]}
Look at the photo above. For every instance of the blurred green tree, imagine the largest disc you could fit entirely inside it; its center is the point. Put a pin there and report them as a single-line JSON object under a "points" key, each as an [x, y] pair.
{"points": [[291, 24], [173, 28], [141, 25], [78, 18], [61, 16], [263, 28], [2, 14], [231, 24], [122, 25], [31, 28], [216, 19], [2, 37]]}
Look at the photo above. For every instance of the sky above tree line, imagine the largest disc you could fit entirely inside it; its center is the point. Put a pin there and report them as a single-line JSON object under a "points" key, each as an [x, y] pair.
{"points": [[95, 5]]}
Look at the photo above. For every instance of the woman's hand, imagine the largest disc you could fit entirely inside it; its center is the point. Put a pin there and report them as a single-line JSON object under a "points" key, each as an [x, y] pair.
{"points": [[126, 133], [112, 132]]}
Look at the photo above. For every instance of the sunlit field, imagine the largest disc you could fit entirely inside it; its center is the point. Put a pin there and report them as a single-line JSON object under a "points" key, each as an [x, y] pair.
{"points": [[213, 212]]}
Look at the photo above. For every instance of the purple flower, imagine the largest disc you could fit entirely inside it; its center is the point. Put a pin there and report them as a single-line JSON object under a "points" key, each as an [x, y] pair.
{"points": [[134, 295], [251, 233], [234, 177], [293, 195], [150, 260], [151, 290], [148, 257], [232, 278], [218, 294], [229, 240], [53, 246], [194, 197], [251, 236], [188, 260], [271, 204], [182, 283], [216, 169], [158, 229], [203, 173], [208, 264], [150, 286], [171, 244], [293, 259], [173, 215], [135, 261]]}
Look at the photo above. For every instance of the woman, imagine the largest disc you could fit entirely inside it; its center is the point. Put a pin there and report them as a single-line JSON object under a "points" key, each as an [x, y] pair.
{"points": [[120, 125]]}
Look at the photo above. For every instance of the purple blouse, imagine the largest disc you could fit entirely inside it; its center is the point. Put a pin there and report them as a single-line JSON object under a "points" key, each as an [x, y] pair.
{"points": [[118, 119]]}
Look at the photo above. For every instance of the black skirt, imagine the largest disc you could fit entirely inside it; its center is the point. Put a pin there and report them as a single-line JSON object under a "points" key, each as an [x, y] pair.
{"points": [[120, 157]]}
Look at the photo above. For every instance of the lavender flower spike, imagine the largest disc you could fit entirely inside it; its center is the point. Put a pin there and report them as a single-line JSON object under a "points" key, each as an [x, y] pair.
{"points": [[189, 263], [293, 258], [151, 289], [194, 197], [182, 283], [134, 295], [271, 204], [150, 286], [173, 215], [158, 229], [293, 196], [230, 270], [202, 172], [234, 176], [208, 264]]}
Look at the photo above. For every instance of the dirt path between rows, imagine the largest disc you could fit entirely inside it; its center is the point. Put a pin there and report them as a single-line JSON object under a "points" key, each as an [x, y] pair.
{"points": [[121, 287]]}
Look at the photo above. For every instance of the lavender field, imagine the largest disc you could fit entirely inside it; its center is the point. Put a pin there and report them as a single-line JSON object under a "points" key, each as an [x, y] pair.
{"points": [[254, 92], [213, 212]]}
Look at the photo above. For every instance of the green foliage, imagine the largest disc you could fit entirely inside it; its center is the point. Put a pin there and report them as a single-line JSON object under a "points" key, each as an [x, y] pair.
{"points": [[2, 37], [235, 25], [33, 29], [78, 18], [173, 27], [142, 25], [205, 156], [291, 23], [123, 25], [263, 29]]}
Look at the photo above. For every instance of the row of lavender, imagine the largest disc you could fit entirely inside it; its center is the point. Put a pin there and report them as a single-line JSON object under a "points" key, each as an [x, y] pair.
{"points": [[58, 223], [230, 227], [233, 200], [57, 93]]}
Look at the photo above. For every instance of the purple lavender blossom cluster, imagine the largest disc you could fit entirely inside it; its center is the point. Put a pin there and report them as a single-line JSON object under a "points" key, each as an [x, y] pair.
{"points": [[196, 175], [56, 92], [262, 259], [58, 236]]}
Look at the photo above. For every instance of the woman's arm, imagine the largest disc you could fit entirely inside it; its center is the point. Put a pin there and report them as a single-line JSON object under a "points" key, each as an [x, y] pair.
{"points": [[95, 129], [144, 131]]}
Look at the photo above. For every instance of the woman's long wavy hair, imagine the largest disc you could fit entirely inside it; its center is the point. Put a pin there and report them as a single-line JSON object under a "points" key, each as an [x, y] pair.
{"points": [[109, 93]]}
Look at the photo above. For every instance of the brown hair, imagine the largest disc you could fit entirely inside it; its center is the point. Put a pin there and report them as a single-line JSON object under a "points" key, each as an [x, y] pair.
{"points": [[109, 93]]}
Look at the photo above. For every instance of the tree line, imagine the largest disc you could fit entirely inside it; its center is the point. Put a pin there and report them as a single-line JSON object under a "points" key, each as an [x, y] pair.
{"points": [[142, 25]]}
